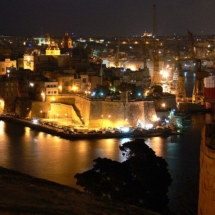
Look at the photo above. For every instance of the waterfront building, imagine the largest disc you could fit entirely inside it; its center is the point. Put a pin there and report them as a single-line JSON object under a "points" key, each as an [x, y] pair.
{"points": [[9, 88]]}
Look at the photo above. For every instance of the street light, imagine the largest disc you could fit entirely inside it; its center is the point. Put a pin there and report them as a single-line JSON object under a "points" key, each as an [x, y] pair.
{"points": [[163, 105], [74, 88], [43, 96]]}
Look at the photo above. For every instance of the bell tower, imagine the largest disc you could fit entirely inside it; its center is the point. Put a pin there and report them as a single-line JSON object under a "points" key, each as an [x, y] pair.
{"points": [[66, 41]]}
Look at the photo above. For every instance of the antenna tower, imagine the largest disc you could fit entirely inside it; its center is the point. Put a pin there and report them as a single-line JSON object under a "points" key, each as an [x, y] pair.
{"points": [[154, 21]]}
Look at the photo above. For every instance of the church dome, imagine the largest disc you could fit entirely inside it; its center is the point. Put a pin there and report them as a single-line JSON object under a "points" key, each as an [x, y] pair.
{"points": [[53, 49]]}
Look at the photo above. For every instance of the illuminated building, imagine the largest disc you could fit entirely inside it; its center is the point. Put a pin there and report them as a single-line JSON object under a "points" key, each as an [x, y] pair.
{"points": [[66, 42], [7, 64], [53, 49]]}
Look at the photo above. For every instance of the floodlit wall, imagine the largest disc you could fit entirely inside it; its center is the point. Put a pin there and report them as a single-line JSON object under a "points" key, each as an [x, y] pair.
{"points": [[206, 203], [94, 113]]}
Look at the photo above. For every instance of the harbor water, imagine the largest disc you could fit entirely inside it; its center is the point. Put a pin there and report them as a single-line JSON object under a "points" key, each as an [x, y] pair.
{"points": [[45, 156]]}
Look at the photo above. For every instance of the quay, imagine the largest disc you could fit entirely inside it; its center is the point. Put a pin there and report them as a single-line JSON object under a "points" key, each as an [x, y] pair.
{"points": [[165, 132]]}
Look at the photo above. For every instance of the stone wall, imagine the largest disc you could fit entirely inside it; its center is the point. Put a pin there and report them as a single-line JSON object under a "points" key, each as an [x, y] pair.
{"points": [[114, 113], [93, 113], [206, 203], [39, 109]]}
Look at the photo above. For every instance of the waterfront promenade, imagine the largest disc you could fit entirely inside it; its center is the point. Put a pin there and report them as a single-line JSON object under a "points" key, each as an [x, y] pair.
{"points": [[136, 133]]}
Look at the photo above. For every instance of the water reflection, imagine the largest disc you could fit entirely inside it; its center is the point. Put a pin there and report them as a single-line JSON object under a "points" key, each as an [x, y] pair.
{"points": [[57, 159]]}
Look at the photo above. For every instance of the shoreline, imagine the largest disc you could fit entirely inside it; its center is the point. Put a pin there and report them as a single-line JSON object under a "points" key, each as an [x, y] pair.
{"points": [[59, 132]]}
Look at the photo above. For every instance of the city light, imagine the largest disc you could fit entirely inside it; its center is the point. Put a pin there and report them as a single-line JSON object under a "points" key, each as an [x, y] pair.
{"points": [[125, 129], [155, 118], [74, 88], [163, 105], [149, 126], [43, 96], [35, 121]]}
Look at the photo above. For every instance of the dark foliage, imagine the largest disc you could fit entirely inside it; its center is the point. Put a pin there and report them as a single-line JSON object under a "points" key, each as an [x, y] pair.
{"points": [[142, 179]]}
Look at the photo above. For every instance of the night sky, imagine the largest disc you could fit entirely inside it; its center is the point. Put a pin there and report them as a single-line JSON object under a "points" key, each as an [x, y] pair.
{"points": [[106, 17]]}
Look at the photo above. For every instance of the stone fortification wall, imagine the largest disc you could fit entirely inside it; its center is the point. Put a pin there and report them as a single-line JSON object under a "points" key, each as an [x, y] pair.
{"points": [[64, 114], [101, 113], [206, 203], [94, 113], [39, 109], [62, 98], [74, 107], [113, 114]]}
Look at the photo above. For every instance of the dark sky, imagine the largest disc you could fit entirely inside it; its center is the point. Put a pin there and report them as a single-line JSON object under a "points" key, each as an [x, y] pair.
{"points": [[106, 17]]}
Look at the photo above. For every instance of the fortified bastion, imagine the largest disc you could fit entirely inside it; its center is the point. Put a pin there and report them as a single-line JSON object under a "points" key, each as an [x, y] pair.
{"points": [[95, 113], [206, 203]]}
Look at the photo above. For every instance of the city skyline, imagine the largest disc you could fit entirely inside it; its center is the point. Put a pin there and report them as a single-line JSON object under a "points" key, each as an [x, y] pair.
{"points": [[106, 18]]}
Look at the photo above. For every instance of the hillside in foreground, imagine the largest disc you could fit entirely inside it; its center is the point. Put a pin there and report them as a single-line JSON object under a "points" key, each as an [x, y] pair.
{"points": [[22, 194]]}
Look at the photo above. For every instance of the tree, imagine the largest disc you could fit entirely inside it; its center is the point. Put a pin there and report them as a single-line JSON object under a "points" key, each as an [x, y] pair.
{"points": [[142, 179], [156, 90], [150, 172]]}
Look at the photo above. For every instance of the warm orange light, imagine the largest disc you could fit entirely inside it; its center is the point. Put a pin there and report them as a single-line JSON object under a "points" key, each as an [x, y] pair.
{"points": [[163, 105], [155, 118], [74, 88]]}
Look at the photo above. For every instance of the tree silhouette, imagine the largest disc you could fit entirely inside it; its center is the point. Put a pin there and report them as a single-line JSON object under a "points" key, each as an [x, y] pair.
{"points": [[142, 179]]}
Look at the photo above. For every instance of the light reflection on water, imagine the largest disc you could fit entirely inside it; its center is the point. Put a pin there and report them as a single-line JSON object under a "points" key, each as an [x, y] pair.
{"points": [[46, 156], [53, 158]]}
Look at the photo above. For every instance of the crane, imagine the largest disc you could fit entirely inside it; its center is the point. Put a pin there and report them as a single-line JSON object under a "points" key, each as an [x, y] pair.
{"points": [[156, 77], [198, 89], [180, 85]]}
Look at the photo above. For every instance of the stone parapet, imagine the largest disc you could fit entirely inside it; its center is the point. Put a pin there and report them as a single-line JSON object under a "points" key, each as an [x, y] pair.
{"points": [[206, 203]]}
